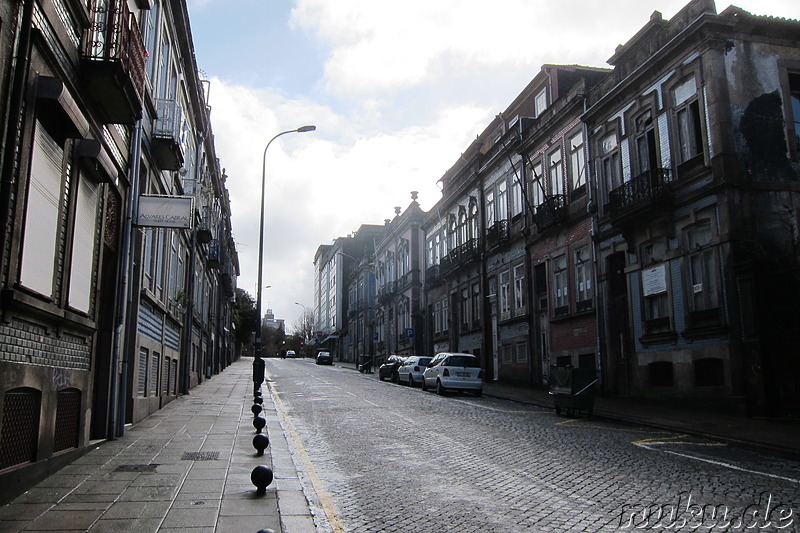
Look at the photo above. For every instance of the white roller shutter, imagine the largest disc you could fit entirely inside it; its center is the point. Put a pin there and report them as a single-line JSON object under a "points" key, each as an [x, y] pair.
{"points": [[41, 214]]}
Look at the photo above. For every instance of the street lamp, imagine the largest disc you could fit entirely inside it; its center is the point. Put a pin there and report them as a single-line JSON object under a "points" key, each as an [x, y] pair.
{"points": [[258, 364]]}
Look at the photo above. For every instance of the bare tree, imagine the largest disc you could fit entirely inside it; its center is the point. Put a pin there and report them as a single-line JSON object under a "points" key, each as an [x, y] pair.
{"points": [[304, 327]]}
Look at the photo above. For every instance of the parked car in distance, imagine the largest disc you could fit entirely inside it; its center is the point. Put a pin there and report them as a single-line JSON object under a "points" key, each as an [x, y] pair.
{"points": [[389, 368], [324, 358], [411, 370], [453, 371], [290, 353]]}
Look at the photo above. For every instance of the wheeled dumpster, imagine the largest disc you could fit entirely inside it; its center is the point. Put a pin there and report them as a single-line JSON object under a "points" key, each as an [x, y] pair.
{"points": [[572, 389]]}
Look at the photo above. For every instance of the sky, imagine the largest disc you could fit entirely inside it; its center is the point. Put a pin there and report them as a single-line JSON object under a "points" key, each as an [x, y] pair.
{"points": [[397, 91]]}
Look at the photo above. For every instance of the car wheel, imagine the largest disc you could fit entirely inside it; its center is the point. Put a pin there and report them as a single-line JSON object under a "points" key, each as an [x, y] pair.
{"points": [[411, 381], [424, 386], [395, 377], [440, 390]]}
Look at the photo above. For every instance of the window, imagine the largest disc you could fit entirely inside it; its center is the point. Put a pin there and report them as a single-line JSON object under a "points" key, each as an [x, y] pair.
{"points": [[502, 201], [537, 185], [646, 142], [561, 285], [519, 287], [445, 315], [476, 304], [555, 173], [656, 295], [490, 213], [522, 352], [516, 197], [506, 354], [83, 245], [463, 227], [583, 279], [687, 121], [42, 213], [437, 317], [505, 295], [429, 255], [540, 103], [473, 218], [577, 162], [610, 171], [703, 276]]}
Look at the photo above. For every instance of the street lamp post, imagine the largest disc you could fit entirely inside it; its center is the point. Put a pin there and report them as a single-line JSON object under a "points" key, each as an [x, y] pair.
{"points": [[258, 363]]}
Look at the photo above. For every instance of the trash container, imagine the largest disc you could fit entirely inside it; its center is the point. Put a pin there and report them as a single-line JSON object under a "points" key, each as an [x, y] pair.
{"points": [[572, 389]]}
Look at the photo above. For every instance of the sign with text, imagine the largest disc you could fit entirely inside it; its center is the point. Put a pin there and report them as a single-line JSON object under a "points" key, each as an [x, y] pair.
{"points": [[165, 211], [654, 280]]}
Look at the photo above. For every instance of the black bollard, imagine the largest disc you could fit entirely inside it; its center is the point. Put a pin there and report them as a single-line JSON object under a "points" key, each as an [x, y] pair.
{"points": [[259, 423], [260, 443], [256, 409], [261, 477]]}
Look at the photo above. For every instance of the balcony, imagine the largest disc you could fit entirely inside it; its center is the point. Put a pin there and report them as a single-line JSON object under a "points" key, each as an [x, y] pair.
{"points": [[552, 211], [166, 146], [498, 233], [113, 62], [636, 198], [433, 274], [214, 254]]}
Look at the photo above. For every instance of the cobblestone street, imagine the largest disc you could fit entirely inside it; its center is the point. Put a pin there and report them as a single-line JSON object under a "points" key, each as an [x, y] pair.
{"points": [[386, 457]]}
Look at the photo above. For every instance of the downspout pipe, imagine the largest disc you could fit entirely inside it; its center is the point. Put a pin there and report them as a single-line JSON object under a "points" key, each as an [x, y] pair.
{"points": [[15, 113], [125, 330]]}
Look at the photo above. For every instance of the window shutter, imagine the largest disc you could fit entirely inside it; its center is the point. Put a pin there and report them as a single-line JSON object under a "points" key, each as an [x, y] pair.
{"points": [[41, 214], [83, 246]]}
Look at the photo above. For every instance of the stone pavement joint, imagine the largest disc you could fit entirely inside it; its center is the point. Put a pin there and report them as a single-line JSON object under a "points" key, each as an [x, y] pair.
{"points": [[185, 467]]}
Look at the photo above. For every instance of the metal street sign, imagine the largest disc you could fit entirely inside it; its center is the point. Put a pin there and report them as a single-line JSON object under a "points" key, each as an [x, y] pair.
{"points": [[409, 333], [165, 211]]}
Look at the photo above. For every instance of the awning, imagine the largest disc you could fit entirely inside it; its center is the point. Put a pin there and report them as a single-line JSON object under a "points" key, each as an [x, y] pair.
{"points": [[329, 337]]}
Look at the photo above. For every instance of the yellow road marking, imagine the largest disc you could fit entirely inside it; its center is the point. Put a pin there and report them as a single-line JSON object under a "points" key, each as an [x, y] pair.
{"points": [[658, 440], [324, 499]]}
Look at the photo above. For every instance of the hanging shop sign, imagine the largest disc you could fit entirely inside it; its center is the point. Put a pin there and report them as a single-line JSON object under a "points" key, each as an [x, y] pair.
{"points": [[165, 211]]}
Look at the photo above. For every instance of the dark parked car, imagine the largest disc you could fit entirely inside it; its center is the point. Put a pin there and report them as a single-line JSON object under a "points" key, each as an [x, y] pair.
{"points": [[389, 368], [324, 358]]}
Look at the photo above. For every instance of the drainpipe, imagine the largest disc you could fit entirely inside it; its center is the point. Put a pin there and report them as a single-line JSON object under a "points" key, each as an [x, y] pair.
{"points": [[15, 114], [125, 330]]}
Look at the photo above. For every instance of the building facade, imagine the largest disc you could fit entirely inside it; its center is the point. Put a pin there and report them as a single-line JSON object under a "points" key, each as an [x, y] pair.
{"points": [[696, 168], [102, 104], [639, 221]]}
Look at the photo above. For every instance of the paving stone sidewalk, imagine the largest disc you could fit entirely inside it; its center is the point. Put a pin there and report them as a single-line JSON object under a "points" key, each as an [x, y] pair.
{"points": [[184, 468]]}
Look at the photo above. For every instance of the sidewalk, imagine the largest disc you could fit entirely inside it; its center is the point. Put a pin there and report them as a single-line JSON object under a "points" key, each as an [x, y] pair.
{"points": [[184, 468], [774, 435]]}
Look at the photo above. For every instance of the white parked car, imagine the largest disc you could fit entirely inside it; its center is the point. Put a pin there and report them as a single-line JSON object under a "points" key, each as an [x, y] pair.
{"points": [[453, 371], [411, 370]]}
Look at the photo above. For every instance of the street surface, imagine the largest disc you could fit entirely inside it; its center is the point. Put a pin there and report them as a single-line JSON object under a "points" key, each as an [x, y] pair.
{"points": [[384, 457]]}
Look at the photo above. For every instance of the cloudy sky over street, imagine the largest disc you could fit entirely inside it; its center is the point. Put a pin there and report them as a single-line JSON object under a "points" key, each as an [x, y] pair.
{"points": [[397, 91]]}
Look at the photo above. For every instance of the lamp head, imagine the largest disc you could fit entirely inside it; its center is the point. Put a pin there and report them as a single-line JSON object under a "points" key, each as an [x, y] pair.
{"points": [[303, 129]]}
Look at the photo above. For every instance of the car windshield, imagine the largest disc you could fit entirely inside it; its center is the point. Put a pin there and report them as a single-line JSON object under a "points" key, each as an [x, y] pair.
{"points": [[461, 360], [423, 361]]}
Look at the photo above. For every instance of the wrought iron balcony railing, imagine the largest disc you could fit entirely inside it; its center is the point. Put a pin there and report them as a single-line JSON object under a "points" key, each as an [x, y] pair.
{"points": [[644, 191], [113, 60], [551, 211], [167, 128]]}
